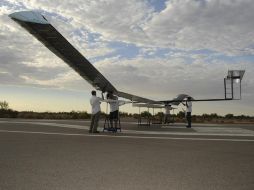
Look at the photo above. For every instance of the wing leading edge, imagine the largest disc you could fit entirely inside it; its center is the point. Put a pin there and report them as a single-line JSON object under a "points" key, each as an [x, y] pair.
{"points": [[40, 28]]}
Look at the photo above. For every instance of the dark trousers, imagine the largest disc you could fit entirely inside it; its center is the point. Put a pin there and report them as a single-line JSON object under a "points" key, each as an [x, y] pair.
{"points": [[167, 118], [94, 121], [188, 117], [113, 116]]}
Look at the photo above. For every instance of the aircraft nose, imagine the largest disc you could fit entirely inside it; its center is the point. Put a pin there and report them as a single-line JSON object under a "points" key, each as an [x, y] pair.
{"points": [[29, 16]]}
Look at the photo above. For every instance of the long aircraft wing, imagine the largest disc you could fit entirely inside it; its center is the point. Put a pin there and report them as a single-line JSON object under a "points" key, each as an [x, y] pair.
{"points": [[39, 27], [136, 98]]}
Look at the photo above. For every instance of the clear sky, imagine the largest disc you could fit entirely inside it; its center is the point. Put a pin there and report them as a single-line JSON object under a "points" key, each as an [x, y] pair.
{"points": [[151, 48]]}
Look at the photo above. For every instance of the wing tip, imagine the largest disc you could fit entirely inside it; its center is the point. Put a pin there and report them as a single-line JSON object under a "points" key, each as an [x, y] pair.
{"points": [[29, 16]]}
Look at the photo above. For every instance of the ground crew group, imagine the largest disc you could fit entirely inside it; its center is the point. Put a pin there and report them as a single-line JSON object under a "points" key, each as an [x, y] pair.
{"points": [[96, 110], [114, 111]]}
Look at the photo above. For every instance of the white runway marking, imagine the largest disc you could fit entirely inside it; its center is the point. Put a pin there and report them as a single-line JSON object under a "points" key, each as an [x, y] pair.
{"points": [[190, 133], [227, 130], [49, 124], [130, 137], [199, 131]]}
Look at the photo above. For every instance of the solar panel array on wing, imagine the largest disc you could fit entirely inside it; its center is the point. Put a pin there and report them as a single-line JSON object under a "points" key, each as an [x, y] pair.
{"points": [[54, 41]]}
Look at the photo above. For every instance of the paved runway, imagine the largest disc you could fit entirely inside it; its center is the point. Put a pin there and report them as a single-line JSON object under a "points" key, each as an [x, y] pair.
{"points": [[50, 154]]}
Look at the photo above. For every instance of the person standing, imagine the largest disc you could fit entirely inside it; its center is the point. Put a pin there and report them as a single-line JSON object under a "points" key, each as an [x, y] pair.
{"points": [[114, 110], [96, 111], [188, 105], [167, 114]]}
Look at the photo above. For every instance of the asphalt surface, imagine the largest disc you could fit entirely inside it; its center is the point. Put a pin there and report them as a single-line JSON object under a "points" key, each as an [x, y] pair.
{"points": [[61, 155]]}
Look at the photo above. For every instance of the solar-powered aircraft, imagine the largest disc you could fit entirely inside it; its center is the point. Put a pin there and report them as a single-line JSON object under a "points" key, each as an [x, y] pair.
{"points": [[40, 28]]}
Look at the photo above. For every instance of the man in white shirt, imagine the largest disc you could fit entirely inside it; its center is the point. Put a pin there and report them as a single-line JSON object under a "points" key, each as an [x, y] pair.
{"points": [[114, 110], [188, 105], [96, 111]]}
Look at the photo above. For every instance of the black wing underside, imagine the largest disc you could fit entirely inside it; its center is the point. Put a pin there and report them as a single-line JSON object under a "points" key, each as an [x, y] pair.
{"points": [[56, 43], [40, 28]]}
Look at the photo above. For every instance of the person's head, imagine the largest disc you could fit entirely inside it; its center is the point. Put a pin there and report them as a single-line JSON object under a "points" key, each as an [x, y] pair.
{"points": [[93, 93]]}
